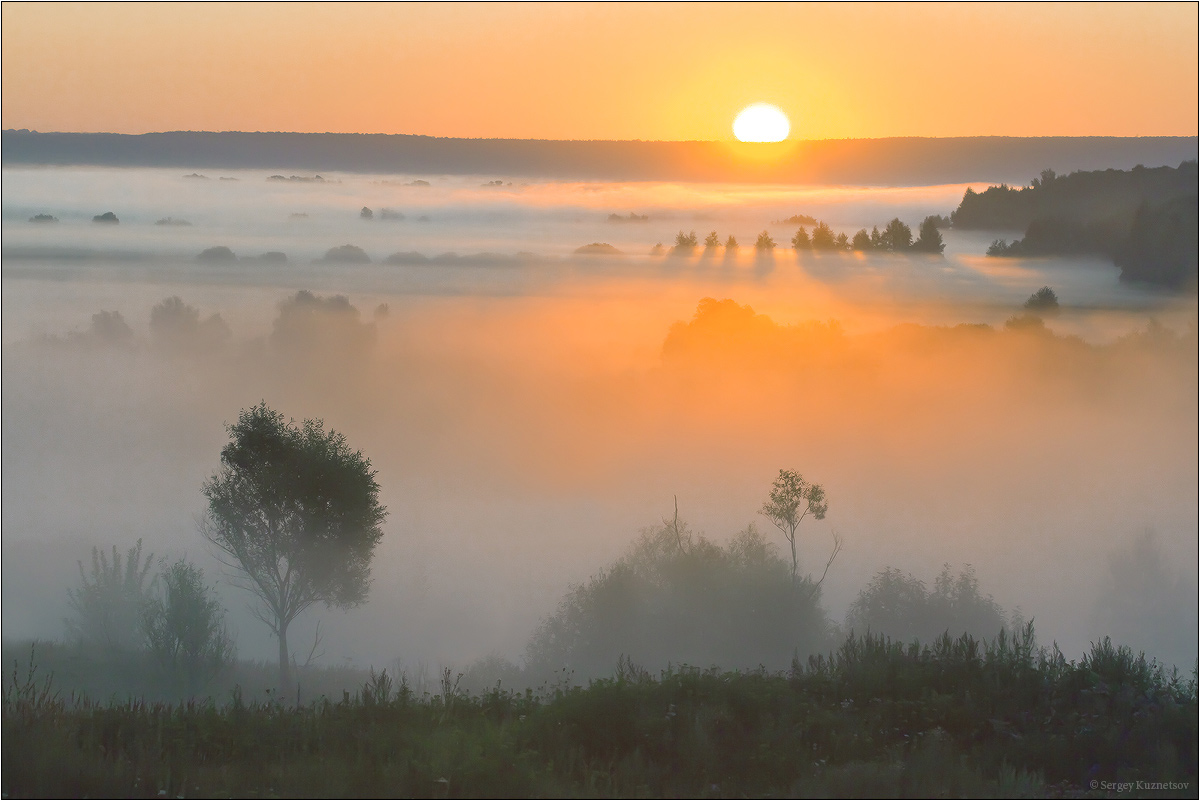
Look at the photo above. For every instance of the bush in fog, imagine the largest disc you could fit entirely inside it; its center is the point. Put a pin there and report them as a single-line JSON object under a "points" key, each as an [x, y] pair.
{"points": [[1146, 602], [801, 241], [217, 254], [184, 628], [1044, 301], [492, 672], [110, 328], [764, 242], [107, 218], [346, 254], [106, 607], [677, 598], [900, 606]]}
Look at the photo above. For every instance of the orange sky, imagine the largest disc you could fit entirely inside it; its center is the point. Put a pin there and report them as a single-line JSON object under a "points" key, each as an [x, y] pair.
{"points": [[603, 71]]}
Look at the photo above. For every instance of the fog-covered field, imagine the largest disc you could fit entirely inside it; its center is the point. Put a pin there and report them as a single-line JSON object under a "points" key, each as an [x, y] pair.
{"points": [[529, 410]]}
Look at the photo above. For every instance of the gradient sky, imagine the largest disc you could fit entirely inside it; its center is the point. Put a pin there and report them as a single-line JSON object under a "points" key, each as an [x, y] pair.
{"points": [[603, 71]]}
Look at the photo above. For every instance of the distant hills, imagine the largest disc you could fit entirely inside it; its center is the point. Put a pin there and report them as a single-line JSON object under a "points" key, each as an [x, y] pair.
{"points": [[881, 162]]}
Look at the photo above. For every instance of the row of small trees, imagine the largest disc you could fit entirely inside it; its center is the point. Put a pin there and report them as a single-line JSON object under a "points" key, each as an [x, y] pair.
{"points": [[896, 237]]}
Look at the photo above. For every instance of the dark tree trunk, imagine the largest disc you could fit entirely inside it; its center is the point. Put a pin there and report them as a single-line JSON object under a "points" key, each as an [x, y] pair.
{"points": [[285, 664]]}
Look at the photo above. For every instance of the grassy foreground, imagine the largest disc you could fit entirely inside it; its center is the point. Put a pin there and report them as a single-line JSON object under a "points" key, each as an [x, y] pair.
{"points": [[954, 719]]}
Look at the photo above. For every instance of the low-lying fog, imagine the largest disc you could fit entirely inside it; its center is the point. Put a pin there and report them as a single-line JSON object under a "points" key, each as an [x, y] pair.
{"points": [[530, 411]]}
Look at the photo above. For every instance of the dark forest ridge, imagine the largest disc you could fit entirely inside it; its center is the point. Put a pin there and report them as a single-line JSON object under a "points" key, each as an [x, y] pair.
{"points": [[894, 161]]}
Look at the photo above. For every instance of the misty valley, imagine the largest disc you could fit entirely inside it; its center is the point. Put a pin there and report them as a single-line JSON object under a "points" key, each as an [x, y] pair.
{"points": [[658, 488]]}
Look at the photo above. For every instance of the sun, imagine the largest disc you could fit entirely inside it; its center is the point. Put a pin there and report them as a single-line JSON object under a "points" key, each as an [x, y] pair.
{"points": [[761, 122]]}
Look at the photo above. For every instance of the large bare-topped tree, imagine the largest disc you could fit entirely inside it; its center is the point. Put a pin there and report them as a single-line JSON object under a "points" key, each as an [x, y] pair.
{"points": [[297, 514]]}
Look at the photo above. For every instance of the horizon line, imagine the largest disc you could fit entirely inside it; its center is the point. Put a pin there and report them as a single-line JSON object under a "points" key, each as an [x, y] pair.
{"points": [[789, 141]]}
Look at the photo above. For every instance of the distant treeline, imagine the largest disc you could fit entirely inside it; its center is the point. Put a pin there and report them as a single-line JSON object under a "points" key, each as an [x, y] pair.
{"points": [[894, 161], [1078, 197], [1144, 219]]}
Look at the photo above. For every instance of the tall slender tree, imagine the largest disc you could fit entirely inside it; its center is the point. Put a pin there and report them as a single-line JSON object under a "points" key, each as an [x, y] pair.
{"points": [[792, 499]]}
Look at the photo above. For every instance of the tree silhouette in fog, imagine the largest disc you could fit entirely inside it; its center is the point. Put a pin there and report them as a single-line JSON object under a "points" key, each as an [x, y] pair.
{"points": [[296, 514], [311, 325], [823, 237], [929, 238], [685, 244], [896, 237], [107, 606], [174, 325], [764, 242], [1146, 599], [184, 626]]}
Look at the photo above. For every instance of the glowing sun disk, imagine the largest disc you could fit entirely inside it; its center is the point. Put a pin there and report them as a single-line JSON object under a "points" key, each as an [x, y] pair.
{"points": [[761, 122]]}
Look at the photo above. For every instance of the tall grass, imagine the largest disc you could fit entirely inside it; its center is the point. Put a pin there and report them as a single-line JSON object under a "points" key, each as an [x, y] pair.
{"points": [[956, 717]]}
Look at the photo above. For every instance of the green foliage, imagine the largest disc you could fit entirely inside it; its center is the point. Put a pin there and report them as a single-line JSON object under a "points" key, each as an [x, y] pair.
{"points": [[676, 597], [185, 629], [791, 500], [953, 718], [900, 606], [297, 513], [107, 606]]}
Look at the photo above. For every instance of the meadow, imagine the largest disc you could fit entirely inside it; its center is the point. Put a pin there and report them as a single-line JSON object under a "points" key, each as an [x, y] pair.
{"points": [[955, 718]]}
